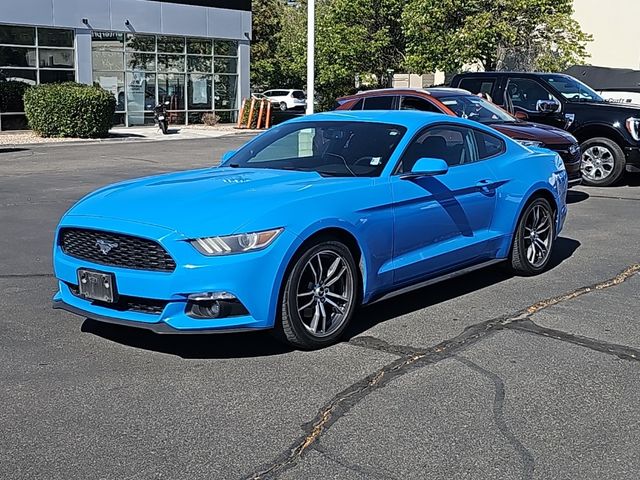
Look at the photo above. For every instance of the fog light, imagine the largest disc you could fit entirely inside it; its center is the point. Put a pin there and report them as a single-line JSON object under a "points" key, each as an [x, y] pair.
{"points": [[209, 309], [212, 305]]}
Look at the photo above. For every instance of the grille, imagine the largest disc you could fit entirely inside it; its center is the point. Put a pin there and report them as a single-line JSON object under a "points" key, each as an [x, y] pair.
{"points": [[127, 251], [131, 304]]}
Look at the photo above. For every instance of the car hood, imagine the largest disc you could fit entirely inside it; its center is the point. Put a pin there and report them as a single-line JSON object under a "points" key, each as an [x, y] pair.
{"points": [[631, 110], [535, 131], [208, 202]]}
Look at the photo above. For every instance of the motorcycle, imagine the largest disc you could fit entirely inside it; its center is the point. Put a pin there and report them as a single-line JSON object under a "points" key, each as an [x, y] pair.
{"points": [[160, 116]]}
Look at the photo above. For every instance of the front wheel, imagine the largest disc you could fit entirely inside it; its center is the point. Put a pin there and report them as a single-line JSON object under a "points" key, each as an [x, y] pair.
{"points": [[534, 238], [283, 107], [320, 296], [603, 162]]}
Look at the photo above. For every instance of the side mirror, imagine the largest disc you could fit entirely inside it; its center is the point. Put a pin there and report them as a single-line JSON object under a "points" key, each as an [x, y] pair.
{"points": [[427, 167], [547, 106], [227, 155]]}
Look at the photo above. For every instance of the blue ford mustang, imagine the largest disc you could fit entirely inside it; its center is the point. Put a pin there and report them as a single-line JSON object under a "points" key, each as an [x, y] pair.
{"points": [[306, 222]]}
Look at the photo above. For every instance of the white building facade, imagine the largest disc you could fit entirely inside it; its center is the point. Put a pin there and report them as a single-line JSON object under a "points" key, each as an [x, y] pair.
{"points": [[192, 53]]}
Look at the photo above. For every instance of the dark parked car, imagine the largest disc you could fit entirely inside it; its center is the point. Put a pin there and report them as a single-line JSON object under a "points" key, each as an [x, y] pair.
{"points": [[609, 134], [461, 103]]}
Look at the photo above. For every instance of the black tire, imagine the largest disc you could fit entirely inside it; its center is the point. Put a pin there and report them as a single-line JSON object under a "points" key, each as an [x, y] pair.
{"points": [[283, 106], [521, 258], [590, 167], [292, 327], [163, 127]]}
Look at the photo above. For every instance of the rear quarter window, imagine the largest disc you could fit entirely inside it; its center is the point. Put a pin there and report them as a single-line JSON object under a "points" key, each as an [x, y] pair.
{"points": [[384, 102], [488, 145]]}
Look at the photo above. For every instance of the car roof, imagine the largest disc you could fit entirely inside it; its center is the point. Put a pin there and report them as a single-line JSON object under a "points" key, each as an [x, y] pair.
{"points": [[406, 118], [431, 91], [510, 73], [438, 92]]}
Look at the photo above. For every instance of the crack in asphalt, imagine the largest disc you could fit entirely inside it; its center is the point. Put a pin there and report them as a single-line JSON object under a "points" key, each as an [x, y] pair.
{"points": [[26, 275], [528, 460], [606, 197], [412, 358], [623, 352]]}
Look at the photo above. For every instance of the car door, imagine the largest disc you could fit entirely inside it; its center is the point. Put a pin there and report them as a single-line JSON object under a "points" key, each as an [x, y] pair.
{"points": [[441, 222], [522, 96]]}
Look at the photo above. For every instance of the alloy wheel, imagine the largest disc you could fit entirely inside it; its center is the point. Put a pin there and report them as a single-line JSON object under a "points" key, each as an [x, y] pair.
{"points": [[597, 163], [325, 293], [538, 235]]}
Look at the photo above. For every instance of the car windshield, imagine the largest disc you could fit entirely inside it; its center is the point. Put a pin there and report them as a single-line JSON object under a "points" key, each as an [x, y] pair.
{"points": [[340, 149], [572, 89], [476, 108]]}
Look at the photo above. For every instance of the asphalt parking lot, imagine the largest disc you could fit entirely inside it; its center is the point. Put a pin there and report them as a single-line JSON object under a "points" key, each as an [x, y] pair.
{"points": [[487, 376]]}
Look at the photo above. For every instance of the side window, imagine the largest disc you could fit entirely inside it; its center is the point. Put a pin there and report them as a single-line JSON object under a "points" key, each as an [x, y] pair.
{"points": [[478, 85], [384, 102], [454, 145], [525, 93], [488, 145], [358, 105], [416, 103]]}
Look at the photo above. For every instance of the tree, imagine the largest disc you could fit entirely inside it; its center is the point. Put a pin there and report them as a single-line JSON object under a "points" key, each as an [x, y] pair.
{"points": [[267, 25], [497, 34], [354, 39]]}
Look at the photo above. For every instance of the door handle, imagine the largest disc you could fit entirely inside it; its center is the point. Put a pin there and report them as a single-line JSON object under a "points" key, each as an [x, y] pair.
{"points": [[486, 186]]}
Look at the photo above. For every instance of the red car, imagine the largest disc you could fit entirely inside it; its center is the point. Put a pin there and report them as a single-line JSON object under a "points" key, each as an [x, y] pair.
{"points": [[461, 103]]}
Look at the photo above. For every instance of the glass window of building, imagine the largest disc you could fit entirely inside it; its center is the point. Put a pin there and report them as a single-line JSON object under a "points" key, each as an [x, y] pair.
{"points": [[34, 55], [195, 75]]}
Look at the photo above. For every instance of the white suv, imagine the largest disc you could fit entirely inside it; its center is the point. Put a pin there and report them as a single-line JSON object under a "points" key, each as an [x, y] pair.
{"points": [[287, 99]]}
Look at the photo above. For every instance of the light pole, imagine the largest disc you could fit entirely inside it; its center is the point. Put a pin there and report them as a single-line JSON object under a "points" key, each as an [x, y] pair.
{"points": [[311, 39]]}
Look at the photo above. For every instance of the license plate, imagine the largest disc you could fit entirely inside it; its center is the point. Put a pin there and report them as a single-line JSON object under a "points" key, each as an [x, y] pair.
{"points": [[94, 285], [160, 117]]}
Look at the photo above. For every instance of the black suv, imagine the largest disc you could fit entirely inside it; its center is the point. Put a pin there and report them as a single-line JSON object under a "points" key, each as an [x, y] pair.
{"points": [[609, 134]]}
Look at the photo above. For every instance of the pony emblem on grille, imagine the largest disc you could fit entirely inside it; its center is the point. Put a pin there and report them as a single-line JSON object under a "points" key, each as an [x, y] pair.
{"points": [[105, 246]]}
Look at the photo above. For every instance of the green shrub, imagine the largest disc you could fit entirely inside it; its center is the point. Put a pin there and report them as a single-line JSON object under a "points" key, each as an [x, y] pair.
{"points": [[11, 93], [69, 110], [210, 119]]}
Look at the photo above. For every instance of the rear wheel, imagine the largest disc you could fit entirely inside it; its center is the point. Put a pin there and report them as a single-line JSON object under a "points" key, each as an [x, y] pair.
{"points": [[534, 238], [319, 297], [603, 162]]}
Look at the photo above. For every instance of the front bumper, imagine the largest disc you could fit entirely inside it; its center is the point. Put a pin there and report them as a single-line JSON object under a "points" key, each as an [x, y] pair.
{"points": [[159, 327], [253, 278], [633, 159], [572, 163]]}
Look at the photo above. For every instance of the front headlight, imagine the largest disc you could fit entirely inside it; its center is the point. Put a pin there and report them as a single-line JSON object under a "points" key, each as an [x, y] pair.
{"points": [[633, 125], [530, 143], [230, 244]]}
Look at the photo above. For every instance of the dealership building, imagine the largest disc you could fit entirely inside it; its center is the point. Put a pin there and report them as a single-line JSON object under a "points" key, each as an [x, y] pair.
{"points": [[192, 53]]}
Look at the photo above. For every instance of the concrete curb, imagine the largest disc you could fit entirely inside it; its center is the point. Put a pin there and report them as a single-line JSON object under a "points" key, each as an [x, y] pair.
{"points": [[191, 135]]}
